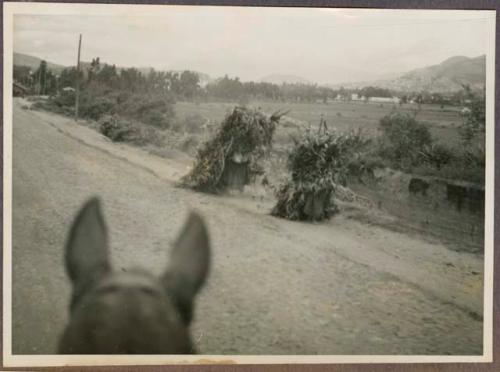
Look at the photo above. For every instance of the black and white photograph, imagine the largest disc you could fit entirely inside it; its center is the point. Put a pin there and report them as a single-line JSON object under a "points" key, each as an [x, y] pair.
{"points": [[224, 184]]}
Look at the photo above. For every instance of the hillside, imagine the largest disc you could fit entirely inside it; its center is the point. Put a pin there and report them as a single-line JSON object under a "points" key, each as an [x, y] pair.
{"points": [[447, 76], [34, 62]]}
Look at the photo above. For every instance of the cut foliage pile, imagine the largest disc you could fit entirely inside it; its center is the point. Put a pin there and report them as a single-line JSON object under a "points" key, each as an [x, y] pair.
{"points": [[317, 164], [244, 134]]}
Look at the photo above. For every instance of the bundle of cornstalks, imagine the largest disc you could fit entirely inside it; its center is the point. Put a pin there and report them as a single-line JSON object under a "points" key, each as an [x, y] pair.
{"points": [[318, 163], [244, 134]]}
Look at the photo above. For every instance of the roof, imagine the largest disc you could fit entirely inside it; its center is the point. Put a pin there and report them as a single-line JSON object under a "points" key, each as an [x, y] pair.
{"points": [[19, 86]]}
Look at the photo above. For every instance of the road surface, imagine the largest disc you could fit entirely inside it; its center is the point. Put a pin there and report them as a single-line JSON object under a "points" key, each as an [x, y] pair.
{"points": [[276, 287]]}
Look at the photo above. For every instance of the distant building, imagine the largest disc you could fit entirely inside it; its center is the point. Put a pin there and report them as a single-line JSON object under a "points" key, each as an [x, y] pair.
{"points": [[384, 99], [19, 90], [465, 111], [357, 97]]}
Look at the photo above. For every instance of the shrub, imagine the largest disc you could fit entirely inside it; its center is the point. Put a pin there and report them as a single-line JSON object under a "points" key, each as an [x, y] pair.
{"points": [[474, 115], [437, 155], [191, 124], [95, 108], [189, 144], [403, 140], [65, 98], [119, 129], [116, 129], [51, 105], [152, 110]]}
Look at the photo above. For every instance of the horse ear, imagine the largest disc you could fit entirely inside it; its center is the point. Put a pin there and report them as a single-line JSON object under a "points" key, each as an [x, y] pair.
{"points": [[87, 245], [189, 264]]}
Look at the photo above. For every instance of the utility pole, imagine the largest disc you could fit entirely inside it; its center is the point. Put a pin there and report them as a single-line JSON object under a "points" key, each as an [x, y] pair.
{"points": [[77, 90]]}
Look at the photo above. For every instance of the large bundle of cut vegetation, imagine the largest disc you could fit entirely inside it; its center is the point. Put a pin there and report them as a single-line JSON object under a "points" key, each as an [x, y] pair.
{"points": [[244, 134], [317, 164]]}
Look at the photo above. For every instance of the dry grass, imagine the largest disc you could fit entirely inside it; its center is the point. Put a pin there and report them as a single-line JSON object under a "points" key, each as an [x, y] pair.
{"points": [[443, 123]]}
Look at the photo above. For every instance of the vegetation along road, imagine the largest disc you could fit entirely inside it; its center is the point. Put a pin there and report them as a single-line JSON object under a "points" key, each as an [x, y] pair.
{"points": [[276, 287]]}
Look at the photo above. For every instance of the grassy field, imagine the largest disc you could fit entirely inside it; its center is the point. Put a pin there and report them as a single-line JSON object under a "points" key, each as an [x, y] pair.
{"points": [[443, 122]]}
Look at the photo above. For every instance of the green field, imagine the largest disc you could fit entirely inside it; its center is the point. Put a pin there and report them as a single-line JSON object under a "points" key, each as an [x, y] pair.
{"points": [[443, 122]]}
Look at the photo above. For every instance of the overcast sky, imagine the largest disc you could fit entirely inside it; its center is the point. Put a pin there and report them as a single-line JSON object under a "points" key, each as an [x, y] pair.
{"points": [[321, 45]]}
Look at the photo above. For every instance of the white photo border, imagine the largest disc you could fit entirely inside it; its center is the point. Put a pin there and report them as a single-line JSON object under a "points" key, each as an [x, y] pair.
{"points": [[9, 360]]}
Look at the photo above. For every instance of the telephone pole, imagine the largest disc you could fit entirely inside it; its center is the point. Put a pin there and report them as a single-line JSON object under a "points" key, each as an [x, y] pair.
{"points": [[77, 88]]}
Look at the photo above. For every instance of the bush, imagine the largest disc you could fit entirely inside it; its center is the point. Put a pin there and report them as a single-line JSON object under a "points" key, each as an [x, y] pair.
{"points": [[189, 144], [95, 108], [474, 115], [65, 99], [437, 155], [97, 100], [51, 105], [149, 109], [464, 163], [403, 140], [191, 124], [119, 129]]}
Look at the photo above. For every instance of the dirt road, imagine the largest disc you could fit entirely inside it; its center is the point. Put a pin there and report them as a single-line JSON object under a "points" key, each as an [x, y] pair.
{"points": [[277, 287]]}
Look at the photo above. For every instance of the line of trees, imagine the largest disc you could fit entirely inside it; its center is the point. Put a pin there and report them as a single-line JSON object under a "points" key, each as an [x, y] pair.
{"points": [[228, 88], [42, 81], [187, 85]]}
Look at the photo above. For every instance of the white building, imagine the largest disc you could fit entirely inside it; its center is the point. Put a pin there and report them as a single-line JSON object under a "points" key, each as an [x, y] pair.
{"points": [[384, 99], [357, 97]]}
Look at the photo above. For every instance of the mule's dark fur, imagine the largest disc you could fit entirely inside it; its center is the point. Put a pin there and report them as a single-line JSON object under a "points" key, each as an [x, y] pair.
{"points": [[131, 312]]}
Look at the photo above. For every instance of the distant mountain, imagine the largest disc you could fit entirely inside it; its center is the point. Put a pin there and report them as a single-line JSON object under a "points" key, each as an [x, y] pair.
{"points": [[281, 79], [447, 76], [34, 62]]}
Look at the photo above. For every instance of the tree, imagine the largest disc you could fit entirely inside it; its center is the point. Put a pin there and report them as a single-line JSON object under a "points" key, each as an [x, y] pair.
{"points": [[132, 80], [375, 92], [108, 76], [404, 139], [189, 84], [40, 77], [68, 77], [94, 68], [23, 75], [474, 115]]}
